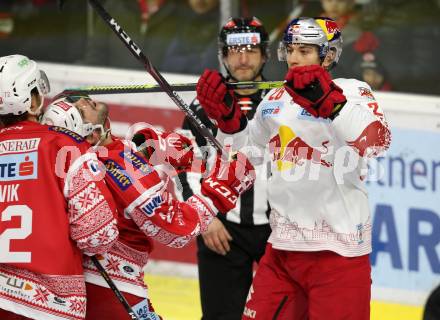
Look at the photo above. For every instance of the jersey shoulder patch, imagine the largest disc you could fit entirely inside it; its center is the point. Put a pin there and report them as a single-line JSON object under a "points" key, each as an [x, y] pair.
{"points": [[353, 88]]}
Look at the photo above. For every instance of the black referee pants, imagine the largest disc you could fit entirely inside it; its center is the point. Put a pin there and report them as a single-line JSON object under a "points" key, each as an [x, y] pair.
{"points": [[432, 306], [225, 280]]}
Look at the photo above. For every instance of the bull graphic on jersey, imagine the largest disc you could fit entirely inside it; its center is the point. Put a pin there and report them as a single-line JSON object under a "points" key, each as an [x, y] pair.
{"points": [[372, 141], [289, 150]]}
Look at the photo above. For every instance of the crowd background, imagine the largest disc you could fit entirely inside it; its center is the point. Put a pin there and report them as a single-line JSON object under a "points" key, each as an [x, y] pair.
{"points": [[391, 44]]}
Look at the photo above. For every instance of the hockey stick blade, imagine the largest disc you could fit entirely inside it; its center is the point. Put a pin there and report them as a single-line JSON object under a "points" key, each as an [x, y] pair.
{"points": [[97, 90], [138, 54]]}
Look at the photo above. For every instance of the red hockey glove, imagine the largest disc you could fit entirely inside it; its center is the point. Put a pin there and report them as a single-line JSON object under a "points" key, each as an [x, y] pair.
{"points": [[313, 89], [227, 181], [219, 103], [169, 147]]}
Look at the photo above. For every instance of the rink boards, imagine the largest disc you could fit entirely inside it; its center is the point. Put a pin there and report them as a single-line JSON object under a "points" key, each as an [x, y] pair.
{"points": [[403, 198]]}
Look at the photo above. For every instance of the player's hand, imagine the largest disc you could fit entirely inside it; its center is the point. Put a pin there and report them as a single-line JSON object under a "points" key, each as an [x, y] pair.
{"points": [[168, 147], [313, 89], [219, 103], [228, 180], [217, 238]]}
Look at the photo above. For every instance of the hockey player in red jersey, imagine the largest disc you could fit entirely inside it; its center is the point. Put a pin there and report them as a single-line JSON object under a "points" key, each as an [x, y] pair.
{"points": [[319, 133], [54, 204], [147, 211]]}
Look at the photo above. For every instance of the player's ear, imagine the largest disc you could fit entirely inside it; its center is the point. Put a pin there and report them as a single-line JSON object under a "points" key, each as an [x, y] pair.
{"points": [[329, 58], [35, 100]]}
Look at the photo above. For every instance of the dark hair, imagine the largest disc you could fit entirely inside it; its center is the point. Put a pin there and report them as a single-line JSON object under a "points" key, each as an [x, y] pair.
{"points": [[10, 119]]}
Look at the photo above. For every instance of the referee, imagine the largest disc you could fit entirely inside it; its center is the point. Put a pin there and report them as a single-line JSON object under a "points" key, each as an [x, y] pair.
{"points": [[233, 242]]}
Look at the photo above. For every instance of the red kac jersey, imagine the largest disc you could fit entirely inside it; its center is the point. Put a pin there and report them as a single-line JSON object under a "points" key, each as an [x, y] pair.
{"points": [[54, 205]]}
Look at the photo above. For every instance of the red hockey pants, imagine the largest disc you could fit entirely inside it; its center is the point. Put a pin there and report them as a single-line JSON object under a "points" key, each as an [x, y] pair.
{"points": [[323, 285]]}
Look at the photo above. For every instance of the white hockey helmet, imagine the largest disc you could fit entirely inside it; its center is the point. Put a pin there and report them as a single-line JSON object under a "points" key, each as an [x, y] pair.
{"points": [[303, 31], [18, 77], [63, 113]]}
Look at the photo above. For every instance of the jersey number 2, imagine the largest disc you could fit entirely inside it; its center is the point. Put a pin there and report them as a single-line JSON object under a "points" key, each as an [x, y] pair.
{"points": [[6, 255]]}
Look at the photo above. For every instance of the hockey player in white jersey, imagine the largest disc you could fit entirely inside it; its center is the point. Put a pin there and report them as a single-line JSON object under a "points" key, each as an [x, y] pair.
{"points": [[320, 132]]}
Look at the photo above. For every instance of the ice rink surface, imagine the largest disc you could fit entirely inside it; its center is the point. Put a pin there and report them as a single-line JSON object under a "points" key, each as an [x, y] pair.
{"points": [[177, 298]]}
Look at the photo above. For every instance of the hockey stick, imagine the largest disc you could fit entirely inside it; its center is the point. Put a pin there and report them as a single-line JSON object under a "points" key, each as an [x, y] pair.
{"points": [[147, 88], [112, 286], [295, 13], [280, 307], [137, 52]]}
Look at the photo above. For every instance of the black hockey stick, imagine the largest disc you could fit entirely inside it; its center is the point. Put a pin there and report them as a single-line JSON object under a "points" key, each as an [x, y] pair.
{"points": [[137, 52], [112, 286], [149, 88], [280, 307], [295, 13]]}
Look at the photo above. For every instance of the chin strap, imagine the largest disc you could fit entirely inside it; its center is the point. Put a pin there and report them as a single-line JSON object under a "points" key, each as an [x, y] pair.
{"points": [[104, 134], [105, 130]]}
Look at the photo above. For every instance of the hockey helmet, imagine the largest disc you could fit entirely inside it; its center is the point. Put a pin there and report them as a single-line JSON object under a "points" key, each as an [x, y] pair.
{"points": [[305, 31], [243, 32], [63, 113], [18, 77]]}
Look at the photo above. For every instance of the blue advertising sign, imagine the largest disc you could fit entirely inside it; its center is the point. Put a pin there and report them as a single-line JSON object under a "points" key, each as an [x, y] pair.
{"points": [[405, 204]]}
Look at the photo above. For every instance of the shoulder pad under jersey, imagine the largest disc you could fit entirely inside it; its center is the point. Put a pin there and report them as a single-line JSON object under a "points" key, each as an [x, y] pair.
{"points": [[74, 136]]}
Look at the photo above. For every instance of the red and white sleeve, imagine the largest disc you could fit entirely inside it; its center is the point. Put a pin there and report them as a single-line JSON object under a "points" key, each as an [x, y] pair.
{"points": [[91, 209]]}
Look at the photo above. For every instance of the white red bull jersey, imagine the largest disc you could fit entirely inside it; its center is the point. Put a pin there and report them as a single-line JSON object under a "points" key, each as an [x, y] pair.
{"points": [[147, 212], [316, 190], [52, 209]]}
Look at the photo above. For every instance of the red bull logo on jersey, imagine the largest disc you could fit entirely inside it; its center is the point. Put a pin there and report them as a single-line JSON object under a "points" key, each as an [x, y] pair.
{"points": [[373, 140], [20, 166], [365, 92], [288, 150]]}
